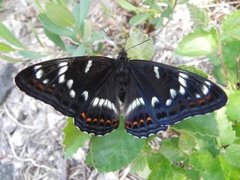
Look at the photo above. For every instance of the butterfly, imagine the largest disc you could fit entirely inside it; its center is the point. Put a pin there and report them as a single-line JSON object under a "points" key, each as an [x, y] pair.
{"points": [[94, 89]]}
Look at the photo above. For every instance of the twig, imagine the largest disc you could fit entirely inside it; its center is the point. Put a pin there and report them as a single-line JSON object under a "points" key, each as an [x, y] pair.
{"points": [[15, 120], [32, 161]]}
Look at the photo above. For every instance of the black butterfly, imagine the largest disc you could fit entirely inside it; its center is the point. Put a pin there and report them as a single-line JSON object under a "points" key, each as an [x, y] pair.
{"points": [[91, 88]]}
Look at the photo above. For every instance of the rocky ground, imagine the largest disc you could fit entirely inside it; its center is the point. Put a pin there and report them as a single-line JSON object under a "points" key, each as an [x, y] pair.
{"points": [[31, 132]]}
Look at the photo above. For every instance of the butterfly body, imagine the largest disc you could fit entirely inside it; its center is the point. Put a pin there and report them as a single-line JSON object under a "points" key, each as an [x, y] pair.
{"points": [[91, 88]]}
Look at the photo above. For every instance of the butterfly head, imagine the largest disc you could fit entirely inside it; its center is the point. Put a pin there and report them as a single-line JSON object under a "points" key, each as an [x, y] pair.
{"points": [[122, 56]]}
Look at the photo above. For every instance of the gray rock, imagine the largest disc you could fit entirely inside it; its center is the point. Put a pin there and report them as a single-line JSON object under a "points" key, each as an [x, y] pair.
{"points": [[6, 80]]}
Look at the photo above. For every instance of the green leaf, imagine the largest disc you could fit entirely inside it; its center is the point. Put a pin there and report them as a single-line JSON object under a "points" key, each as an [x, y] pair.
{"points": [[140, 164], [226, 133], [208, 143], [138, 19], [8, 58], [214, 171], [169, 148], [6, 48], [73, 138], [195, 70], [141, 51], [113, 151], [231, 26], [204, 124], [87, 32], [198, 43], [80, 51], [198, 16], [56, 39], [230, 172], [200, 160], [233, 106], [81, 11], [52, 27], [230, 52], [126, 5], [232, 155], [9, 37], [186, 142], [162, 168], [59, 14], [31, 54]]}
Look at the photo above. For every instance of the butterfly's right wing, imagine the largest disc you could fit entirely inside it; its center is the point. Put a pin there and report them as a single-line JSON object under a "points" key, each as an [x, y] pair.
{"points": [[162, 95], [73, 87]]}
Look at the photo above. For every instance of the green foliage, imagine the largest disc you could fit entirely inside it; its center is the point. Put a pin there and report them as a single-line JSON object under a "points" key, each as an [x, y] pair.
{"points": [[73, 138], [113, 151], [198, 16], [136, 37], [234, 102], [202, 147], [194, 70], [231, 27], [150, 14], [198, 43]]}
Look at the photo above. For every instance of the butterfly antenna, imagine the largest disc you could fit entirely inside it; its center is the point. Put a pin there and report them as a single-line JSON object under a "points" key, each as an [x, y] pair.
{"points": [[112, 40], [138, 44]]}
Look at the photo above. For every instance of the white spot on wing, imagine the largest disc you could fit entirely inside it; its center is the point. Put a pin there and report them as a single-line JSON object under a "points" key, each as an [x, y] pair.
{"points": [[154, 101], [37, 67], [61, 79], [168, 102], [197, 96], [95, 102], [173, 93], [85, 94], [69, 83], [141, 101], [156, 70], [62, 64], [208, 83], [45, 81], [88, 66], [62, 70], [101, 102], [114, 108], [39, 74], [136, 103], [182, 90], [72, 93], [182, 81], [205, 89], [185, 76], [109, 104]]}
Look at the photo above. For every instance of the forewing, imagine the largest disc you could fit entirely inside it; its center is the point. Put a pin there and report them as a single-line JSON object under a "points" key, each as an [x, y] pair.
{"points": [[170, 95], [70, 85]]}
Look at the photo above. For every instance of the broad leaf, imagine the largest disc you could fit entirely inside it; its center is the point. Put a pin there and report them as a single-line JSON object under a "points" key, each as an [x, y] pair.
{"points": [[198, 43], [233, 106], [73, 138], [138, 19], [232, 155], [198, 16], [204, 124], [9, 37], [6, 48], [141, 51], [231, 26], [59, 14], [54, 28], [113, 151]]}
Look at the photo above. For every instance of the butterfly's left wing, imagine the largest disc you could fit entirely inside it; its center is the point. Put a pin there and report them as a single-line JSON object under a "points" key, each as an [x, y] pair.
{"points": [[167, 95], [79, 87]]}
